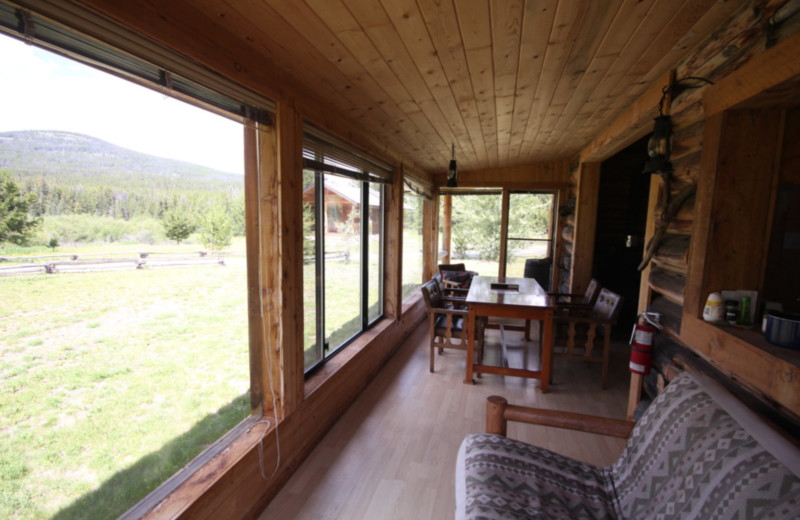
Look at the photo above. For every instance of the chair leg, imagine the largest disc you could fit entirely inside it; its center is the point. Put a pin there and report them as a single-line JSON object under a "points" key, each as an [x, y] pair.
{"points": [[606, 352], [433, 347]]}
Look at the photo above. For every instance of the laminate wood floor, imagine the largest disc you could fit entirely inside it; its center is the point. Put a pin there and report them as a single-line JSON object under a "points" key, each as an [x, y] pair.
{"points": [[393, 453]]}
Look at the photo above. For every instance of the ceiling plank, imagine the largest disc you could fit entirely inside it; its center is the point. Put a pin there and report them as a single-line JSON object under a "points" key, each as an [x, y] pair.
{"points": [[440, 17], [506, 16], [394, 97], [476, 34], [627, 20], [594, 26], [410, 25], [537, 24], [601, 106], [565, 30], [358, 86]]}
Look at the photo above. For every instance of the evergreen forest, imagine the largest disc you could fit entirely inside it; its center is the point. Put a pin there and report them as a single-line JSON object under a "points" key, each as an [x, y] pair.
{"points": [[84, 189]]}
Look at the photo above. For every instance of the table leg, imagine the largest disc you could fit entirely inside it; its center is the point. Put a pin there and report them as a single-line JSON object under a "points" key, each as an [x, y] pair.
{"points": [[547, 348], [470, 346]]}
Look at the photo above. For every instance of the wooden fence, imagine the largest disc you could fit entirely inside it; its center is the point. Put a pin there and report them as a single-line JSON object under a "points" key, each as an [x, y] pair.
{"points": [[89, 262]]}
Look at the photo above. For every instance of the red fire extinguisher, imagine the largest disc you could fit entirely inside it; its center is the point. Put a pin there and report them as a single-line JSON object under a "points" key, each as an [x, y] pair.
{"points": [[642, 342]]}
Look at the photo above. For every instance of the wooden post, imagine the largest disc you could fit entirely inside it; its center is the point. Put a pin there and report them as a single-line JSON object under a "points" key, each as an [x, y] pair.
{"points": [[278, 243], [268, 268], [645, 293], [254, 286], [585, 226], [504, 235], [290, 252], [430, 231], [495, 408], [447, 227], [393, 247]]}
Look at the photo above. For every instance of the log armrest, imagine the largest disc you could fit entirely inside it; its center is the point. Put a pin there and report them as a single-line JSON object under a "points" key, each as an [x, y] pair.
{"points": [[499, 412]]}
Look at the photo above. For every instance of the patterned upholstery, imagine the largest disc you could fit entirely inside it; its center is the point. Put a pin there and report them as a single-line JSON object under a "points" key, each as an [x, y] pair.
{"points": [[687, 458], [508, 479]]}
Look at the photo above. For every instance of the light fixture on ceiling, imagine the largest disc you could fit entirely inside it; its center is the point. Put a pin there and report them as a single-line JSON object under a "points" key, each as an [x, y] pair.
{"points": [[452, 171], [659, 147]]}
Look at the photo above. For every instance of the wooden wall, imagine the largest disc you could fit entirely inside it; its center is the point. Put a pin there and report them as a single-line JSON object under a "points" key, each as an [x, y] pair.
{"points": [[680, 275]]}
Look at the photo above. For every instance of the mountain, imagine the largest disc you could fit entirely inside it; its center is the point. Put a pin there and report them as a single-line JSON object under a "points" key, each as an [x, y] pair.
{"points": [[76, 159]]}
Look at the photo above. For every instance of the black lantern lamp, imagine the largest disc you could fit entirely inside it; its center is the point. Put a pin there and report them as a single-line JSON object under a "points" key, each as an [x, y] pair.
{"points": [[659, 147], [452, 171]]}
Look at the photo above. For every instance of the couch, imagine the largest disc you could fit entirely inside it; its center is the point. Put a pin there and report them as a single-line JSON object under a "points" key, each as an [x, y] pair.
{"points": [[696, 453]]}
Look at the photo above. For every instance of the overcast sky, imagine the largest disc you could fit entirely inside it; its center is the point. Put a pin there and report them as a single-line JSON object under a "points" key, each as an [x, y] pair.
{"points": [[43, 91]]}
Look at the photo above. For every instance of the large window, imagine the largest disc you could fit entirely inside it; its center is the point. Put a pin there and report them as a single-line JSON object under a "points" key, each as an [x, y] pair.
{"points": [[412, 242], [124, 310], [343, 247], [530, 229], [477, 229]]}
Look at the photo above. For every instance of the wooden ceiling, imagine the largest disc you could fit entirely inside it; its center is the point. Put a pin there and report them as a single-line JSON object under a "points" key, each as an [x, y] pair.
{"points": [[508, 81]]}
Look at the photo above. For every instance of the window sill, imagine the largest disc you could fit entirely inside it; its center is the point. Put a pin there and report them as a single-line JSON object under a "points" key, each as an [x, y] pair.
{"points": [[179, 492], [335, 363], [411, 302]]}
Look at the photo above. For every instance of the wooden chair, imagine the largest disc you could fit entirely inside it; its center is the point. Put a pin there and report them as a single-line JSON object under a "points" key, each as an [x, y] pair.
{"points": [[450, 292], [456, 276], [581, 332], [448, 324], [585, 300]]}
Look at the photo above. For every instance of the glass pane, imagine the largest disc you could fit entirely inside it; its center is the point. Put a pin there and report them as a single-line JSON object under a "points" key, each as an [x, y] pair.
{"points": [[529, 229], [342, 259], [412, 243], [312, 353], [375, 241], [134, 358], [529, 215], [476, 226], [521, 250]]}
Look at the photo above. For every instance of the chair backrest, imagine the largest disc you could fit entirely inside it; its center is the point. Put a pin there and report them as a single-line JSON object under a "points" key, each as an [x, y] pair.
{"points": [[607, 306], [592, 291], [437, 279], [431, 295], [452, 267]]}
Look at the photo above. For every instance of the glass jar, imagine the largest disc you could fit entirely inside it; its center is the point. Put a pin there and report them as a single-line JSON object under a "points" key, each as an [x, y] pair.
{"points": [[732, 311]]}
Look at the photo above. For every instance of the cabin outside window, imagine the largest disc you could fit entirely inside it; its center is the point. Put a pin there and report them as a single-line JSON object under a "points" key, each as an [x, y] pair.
{"points": [[343, 220], [125, 353], [413, 258]]}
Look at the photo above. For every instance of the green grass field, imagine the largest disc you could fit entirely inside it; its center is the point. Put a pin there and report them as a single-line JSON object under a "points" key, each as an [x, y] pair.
{"points": [[110, 382]]}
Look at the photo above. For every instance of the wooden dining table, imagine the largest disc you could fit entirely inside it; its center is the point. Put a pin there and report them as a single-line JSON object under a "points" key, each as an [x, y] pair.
{"points": [[521, 298]]}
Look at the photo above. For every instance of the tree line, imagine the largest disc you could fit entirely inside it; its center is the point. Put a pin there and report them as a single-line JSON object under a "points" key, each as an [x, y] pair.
{"points": [[218, 213]]}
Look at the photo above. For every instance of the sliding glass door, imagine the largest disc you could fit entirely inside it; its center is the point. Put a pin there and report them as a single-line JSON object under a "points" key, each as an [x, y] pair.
{"points": [[530, 229], [479, 241]]}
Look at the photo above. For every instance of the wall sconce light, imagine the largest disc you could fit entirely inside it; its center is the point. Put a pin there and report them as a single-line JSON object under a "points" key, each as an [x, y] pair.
{"points": [[659, 147], [452, 171]]}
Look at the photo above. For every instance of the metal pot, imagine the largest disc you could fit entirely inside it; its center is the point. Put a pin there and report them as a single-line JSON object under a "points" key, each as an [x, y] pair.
{"points": [[783, 329]]}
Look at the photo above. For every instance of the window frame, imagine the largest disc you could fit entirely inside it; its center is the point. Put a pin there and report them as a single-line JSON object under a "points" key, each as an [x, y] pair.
{"points": [[325, 156], [409, 190]]}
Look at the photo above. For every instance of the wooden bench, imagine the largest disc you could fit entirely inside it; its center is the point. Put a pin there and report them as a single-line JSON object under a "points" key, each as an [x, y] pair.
{"points": [[696, 453]]}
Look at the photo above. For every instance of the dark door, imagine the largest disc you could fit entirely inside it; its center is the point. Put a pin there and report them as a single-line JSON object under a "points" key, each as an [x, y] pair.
{"points": [[621, 218]]}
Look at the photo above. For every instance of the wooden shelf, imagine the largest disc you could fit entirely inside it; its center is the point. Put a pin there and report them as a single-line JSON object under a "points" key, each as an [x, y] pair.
{"points": [[756, 339], [769, 371]]}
